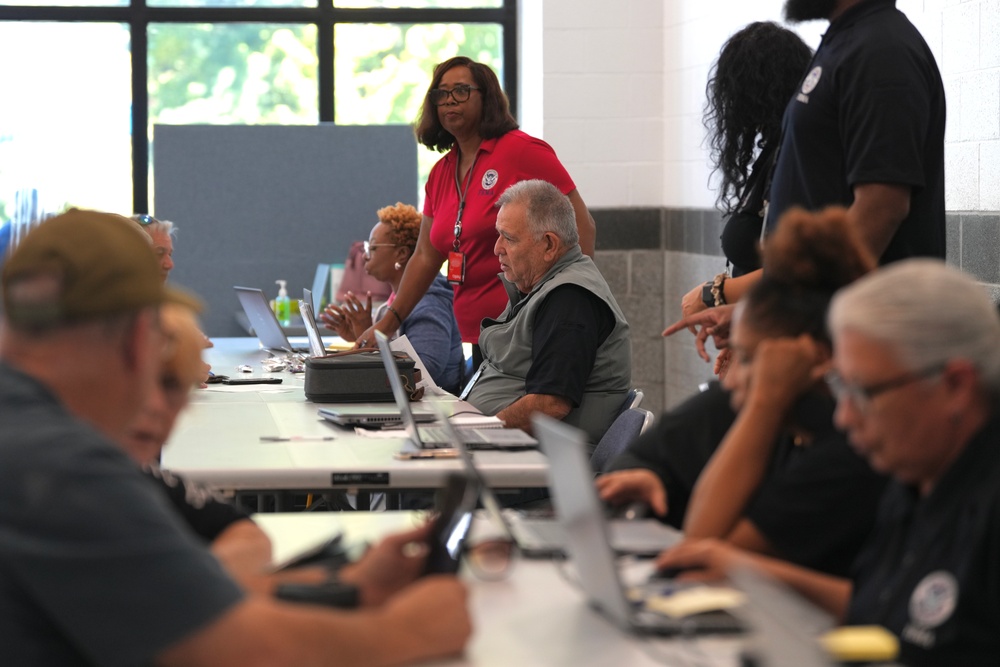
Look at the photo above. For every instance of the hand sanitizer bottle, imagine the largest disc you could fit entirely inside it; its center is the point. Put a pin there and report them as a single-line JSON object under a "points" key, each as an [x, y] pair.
{"points": [[282, 306]]}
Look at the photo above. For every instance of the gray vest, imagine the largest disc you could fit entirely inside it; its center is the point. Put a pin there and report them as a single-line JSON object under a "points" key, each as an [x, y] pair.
{"points": [[506, 348]]}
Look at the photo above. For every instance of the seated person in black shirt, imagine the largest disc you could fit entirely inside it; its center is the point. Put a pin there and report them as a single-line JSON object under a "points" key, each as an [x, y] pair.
{"points": [[917, 378], [561, 347], [228, 530], [783, 480]]}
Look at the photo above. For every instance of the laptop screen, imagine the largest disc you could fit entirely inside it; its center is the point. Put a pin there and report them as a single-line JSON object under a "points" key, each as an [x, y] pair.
{"points": [[316, 348], [582, 516], [265, 324], [398, 392], [319, 291]]}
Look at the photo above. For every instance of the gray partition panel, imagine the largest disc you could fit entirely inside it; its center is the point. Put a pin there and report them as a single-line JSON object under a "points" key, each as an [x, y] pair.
{"points": [[254, 204]]}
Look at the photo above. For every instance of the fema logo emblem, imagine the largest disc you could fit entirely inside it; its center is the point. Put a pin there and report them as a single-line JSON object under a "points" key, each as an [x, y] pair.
{"points": [[490, 179], [934, 599], [809, 84]]}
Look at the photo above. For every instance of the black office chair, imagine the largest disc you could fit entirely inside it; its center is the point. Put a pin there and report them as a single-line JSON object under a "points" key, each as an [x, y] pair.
{"points": [[633, 399], [623, 430]]}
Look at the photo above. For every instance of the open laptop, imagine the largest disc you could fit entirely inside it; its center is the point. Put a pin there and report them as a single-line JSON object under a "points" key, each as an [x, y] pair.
{"points": [[319, 287], [316, 347], [580, 512], [786, 627], [545, 537], [265, 324], [430, 438]]}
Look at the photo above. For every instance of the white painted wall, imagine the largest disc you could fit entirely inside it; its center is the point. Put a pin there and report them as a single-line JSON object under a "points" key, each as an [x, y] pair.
{"points": [[622, 90]]}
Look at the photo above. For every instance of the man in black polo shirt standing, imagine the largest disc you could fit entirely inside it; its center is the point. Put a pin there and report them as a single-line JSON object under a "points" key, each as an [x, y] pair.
{"points": [[866, 129]]}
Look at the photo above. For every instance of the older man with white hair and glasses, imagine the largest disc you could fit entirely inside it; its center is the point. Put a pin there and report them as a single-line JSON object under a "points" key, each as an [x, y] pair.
{"points": [[916, 374], [562, 346]]}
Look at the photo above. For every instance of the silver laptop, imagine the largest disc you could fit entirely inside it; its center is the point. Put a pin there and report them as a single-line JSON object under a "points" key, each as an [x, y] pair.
{"points": [[372, 416], [581, 514], [316, 347], [785, 626], [321, 279], [429, 438], [265, 324], [538, 537]]}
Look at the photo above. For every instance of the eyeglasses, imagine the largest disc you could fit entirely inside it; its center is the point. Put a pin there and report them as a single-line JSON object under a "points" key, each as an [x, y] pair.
{"points": [[491, 559], [144, 219], [460, 93], [861, 396], [367, 250]]}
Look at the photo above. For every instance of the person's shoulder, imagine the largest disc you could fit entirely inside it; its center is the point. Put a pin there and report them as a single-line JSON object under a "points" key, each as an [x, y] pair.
{"points": [[441, 289], [887, 38], [519, 140], [445, 163]]}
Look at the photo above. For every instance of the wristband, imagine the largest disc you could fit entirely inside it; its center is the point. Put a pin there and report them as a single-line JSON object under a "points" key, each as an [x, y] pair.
{"points": [[393, 311], [718, 296]]}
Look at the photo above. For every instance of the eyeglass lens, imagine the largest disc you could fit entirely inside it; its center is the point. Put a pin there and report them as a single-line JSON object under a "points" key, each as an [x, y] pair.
{"points": [[459, 93]]}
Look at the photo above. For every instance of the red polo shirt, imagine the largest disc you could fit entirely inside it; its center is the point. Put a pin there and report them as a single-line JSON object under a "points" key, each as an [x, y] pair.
{"points": [[500, 163]]}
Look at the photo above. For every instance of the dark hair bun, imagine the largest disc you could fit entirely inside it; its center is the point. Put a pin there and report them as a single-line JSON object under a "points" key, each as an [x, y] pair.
{"points": [[819, 251]]}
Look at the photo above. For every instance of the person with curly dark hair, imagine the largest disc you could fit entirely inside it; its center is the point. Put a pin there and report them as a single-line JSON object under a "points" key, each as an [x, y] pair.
{"points": [[430, 326], [864, 130], [782, 480], [466, 113], [748, 89]]}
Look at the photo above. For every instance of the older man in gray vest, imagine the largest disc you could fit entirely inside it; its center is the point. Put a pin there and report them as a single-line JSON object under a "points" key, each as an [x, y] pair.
{"points": [[562, 345]]}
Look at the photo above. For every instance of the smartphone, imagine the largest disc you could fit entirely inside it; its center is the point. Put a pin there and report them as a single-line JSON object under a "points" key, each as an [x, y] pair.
{"points": [[454, 504], [252, 380]]}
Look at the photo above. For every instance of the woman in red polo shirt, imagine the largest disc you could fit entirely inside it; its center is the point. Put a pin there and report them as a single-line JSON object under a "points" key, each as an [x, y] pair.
{"points": [[466, 113]]}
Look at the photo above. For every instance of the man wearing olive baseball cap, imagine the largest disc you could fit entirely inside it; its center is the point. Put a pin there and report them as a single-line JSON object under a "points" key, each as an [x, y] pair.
{"points": [[95, 566]]}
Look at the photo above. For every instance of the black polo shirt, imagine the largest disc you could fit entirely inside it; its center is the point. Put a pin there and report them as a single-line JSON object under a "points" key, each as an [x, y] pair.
{"points": [[815, 506], [871, 109], [931, 572]]}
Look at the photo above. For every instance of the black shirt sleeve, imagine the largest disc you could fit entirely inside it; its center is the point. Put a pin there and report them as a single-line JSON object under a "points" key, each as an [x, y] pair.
{"points": [[206, 513], [568, 329], [678, 446]]}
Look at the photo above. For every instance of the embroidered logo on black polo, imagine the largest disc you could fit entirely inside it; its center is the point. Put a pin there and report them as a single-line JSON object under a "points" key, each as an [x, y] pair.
{"points": [[490, 179], [934, 599], [809, 84]]}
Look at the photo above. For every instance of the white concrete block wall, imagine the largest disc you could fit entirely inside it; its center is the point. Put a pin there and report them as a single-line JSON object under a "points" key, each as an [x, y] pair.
{"points": [[623, 83], [603, 97]]}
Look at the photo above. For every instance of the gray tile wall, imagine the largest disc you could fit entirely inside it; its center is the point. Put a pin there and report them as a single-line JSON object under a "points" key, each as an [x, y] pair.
{"points": [[652, 257]]}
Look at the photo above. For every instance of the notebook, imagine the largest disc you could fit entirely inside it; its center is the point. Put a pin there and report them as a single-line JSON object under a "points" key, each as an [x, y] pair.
{"points": [[580, 513], [265, 324], [426, 438], [316, 347]]}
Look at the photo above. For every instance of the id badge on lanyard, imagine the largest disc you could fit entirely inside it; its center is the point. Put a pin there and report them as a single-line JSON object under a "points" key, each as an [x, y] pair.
{"points": [[456, 267], [456, 258]]}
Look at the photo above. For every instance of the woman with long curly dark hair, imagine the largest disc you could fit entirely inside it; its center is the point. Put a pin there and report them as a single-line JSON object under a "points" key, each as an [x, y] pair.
{"points": [[749, 87]]}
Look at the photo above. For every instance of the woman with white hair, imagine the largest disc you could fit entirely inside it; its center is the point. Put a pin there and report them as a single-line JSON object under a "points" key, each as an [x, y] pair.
{"points": [[917, 378]]}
